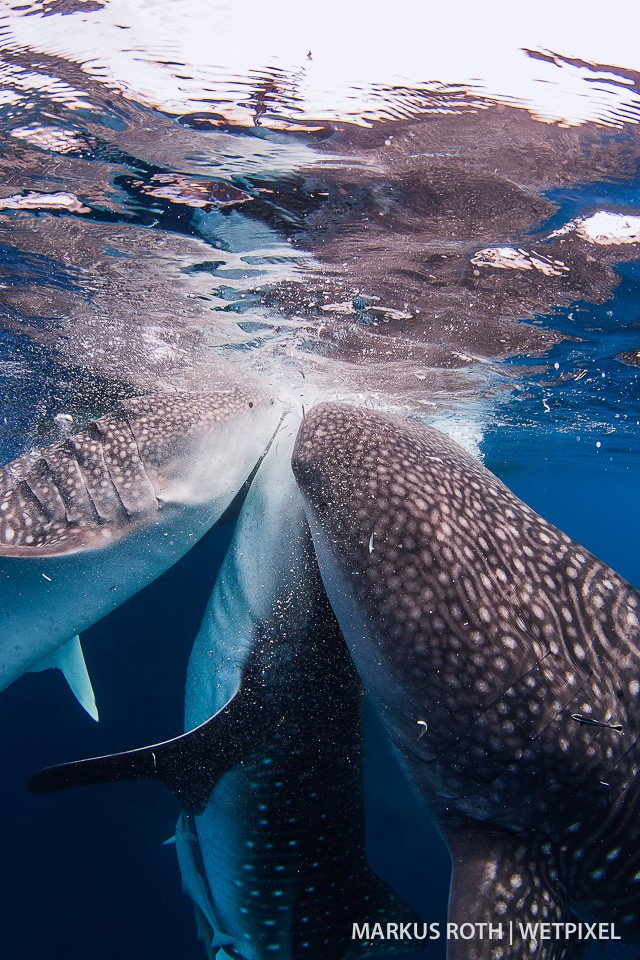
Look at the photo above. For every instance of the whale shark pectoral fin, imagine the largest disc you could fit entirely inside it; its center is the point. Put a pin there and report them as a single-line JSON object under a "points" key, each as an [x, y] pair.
{"points": [[220, 940], [70, 659], [190, 765], [505, 878]]}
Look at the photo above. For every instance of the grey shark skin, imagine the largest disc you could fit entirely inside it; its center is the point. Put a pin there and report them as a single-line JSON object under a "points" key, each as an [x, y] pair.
{"points": [[88, 521], [487, 638]]}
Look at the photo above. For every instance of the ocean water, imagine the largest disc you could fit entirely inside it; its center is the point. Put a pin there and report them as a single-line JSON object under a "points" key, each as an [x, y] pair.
{"points": [[335, 214]]}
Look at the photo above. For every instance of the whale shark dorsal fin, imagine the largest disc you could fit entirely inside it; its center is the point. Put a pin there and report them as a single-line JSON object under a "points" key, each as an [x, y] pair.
{"points": [[505, 878], [190, 765], [70, 660]]}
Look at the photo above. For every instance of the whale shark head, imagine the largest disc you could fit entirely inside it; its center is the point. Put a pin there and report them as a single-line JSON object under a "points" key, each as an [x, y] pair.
{"points": [[172, 449], [114, 506], [502, 657]]}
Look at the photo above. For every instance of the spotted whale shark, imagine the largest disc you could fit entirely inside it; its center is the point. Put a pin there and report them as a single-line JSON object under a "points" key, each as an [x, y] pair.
{"points": [[270, 773], [89, 520], [504, 661]]}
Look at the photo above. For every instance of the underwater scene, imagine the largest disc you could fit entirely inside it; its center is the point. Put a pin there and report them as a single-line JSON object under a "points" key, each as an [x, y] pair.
{"points": [[319, 480]]}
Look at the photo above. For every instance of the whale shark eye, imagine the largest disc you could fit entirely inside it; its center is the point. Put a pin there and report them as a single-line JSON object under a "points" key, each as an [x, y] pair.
{"points": [[250, 403]]}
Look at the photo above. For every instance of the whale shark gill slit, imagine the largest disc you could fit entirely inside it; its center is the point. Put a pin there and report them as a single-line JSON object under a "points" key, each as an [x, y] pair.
{"points": [[84, 490], [90, 453]]}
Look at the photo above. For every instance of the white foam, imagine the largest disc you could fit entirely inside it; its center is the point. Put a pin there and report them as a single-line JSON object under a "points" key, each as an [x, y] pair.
{"points": [[604, 228], [508, 258], [468, 432]]}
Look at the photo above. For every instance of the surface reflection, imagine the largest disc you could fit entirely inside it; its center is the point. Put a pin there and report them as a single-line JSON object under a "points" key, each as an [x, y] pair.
{"points": [[402, 261]]}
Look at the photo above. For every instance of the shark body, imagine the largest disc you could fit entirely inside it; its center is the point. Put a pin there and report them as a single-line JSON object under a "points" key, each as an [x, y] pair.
{"points": [[88, 521], [504, 660]]}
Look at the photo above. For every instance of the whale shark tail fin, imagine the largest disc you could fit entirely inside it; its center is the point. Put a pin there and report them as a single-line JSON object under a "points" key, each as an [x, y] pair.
{"points": [[507, 883], [189, 764]]}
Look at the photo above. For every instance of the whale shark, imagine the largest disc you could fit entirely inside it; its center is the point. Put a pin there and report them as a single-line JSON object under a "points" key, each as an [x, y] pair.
{"points": [[275, 862], [271, 839], [89, 520], [504, 661]]}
